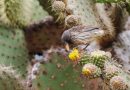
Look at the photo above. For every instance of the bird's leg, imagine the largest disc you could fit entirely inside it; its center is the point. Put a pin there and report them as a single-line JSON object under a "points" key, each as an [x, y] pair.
{"points": [[86, 46]]}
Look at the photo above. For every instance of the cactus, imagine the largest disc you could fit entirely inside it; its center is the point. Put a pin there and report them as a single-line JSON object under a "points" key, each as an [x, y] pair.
{"points": [[55, 8], [91, 71], [72, 20], [118, 83], [10, 80], [38, 13], [13, 49], [59, 75], [83, 9], [99, 58], [15, 13], [110, 71], [58, 6], [85, 59], [19, 13]]}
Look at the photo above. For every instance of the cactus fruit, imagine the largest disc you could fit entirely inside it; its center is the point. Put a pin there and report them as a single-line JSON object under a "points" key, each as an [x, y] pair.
{"points": [[91, 71], [55, 8], [10, 80], [59, 10], [13, 49], [72, 20], [58, 6], [118, 83], [15, 13], [59, 75]]}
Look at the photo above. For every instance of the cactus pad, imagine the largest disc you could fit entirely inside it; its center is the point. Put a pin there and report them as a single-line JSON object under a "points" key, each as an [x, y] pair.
{"points": [[9, 80], [59, 75], [15, 13], [84, 9], [13, 49]]}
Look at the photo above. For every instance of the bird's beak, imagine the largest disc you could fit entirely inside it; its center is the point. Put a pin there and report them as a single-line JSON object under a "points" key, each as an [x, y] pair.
{"points": [[67, 47]]}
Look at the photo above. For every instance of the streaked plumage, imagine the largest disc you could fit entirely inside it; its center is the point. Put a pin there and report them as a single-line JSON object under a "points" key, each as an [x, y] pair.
{"points": [[81, 34]]}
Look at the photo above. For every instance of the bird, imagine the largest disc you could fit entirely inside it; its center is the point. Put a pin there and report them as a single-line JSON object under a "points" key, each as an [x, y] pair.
{"points": [[81, 35]]}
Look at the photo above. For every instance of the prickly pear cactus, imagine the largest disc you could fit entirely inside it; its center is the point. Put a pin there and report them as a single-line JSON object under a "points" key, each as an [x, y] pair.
{"points": [[13, 49], [9, 79], [84, 9], [13, 44], [59, 75], [55, 8], [15, 13], [38, 12]]}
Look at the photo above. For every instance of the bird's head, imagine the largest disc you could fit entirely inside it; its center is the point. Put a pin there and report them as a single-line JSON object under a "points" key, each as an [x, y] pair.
{"points": [[66, 39]]}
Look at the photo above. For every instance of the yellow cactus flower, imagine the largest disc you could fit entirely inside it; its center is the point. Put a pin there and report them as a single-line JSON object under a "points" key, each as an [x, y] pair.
{"points": [[86, 72], [91, 71], [74, 55]]}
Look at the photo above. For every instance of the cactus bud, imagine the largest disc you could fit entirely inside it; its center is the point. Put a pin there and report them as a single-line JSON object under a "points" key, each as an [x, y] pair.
{"points": [[72, 20]]}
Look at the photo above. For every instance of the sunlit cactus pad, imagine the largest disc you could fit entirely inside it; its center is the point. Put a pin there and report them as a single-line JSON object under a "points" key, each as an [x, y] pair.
{"points": [[38, 12], [15, 13], [13, 49], [84, 9]]}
